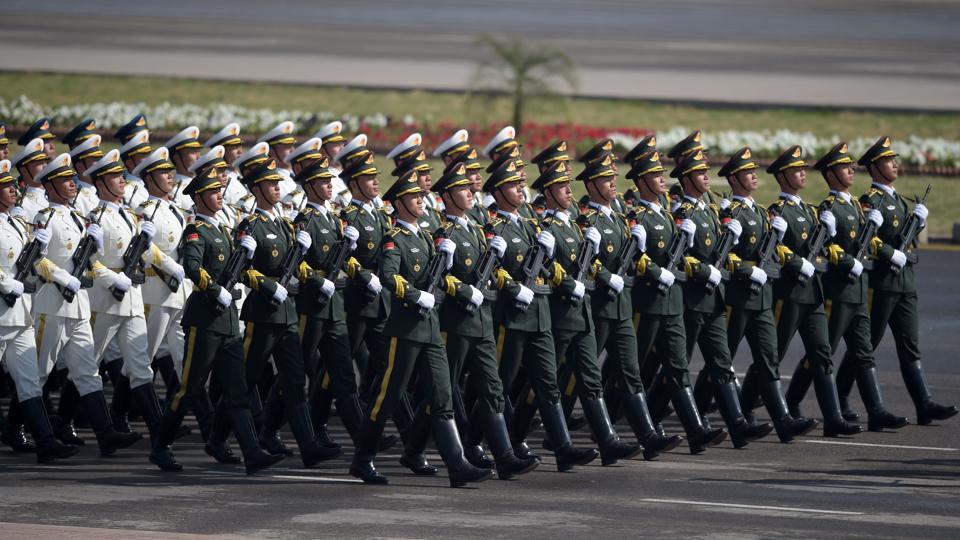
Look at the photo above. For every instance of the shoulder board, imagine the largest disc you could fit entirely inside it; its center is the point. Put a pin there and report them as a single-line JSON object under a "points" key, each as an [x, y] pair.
{"points": [[735, 203], [778, 203], [397, 230], [590, 212], [46, 210], [446, 224], [532, 221], [830, 199], [251, 218], [715, 207], [350, 208], [198, 224], [495, 221], [385, 210]]}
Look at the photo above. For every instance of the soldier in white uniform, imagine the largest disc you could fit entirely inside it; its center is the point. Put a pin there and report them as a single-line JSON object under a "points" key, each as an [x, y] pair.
{"points": [[63, 327], [40, 130], [229, 139], [332, 137], [184, 150], [282, 141], [246, 162], [18, 344], [301, 157], [132, 153], [4, 142], [164, 295], [82, 156], [116, 296], [29, 161]]}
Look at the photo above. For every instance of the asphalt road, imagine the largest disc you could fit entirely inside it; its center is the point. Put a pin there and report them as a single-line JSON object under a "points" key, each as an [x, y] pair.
{"points": [[881, 485], [886, 53]]}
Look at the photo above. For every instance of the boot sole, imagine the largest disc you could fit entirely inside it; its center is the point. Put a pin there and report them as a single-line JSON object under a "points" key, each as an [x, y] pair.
{"points": [[232, 460], [533, 465], [378, 480], [429, 470], [458, 483], [261, 466], [61, 455]]}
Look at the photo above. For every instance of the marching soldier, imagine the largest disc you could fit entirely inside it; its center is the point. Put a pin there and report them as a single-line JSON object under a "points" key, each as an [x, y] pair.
{"points": [[333, 139], [799, 292], [255, 156], [749, 297], [704, 318], [40, 130], [228, 215], [270, 315], [451, 149], [525, 337], [282, 141], [470, 339], [116, 296], [413, 328], [4, 142], [184, 151], [474, 172], [82, 156], [133, 151], [18, 344], [63, 327], [164, 295], [688, 146], [570, 308], [892, 278], [409, 155], [29, 161], [845, 291], [211, 324], [79, 133], [229, 138]]}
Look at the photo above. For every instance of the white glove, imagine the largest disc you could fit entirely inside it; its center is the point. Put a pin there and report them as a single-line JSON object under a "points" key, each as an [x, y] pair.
{"points": [[899, 258], [148, 228], [616, 282], [17, 211], [724, 203], [11, 286], [280, 295], [876, 217], [806, 268], [780, 225], [224, 298], [352, 235], [121, 282], [546, 240], [327, 287], [639, 235], [374, 284], [593, 236], [736, 229], [578, 290], [94, 231], [857, 269], [173, 269], [715, 276], [689, 227], [920, 210], [667, 277], [525, 295], [476, 297], [71, 283], [42, 236], [448, 247], [498, 245], [830, 222], [757, 275], [426, 300], [304, 240], [249, 244]]}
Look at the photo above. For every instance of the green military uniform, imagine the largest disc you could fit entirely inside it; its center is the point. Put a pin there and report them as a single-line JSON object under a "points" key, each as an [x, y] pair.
{"points": [[799, 305], [415, 343], [658, 319], [271, 327], [322, 322], [525, 336], [212, 343], [687, 147], [478, 213], [892, 297]]}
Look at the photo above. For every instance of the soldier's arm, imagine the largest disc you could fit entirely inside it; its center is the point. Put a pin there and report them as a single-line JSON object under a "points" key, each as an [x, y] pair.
{"points": [[878, 248], [838, 258], [390, 273], [788, 259], [193, 248]]}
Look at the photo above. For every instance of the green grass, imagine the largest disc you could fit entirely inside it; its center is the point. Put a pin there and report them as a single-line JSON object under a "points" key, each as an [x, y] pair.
{"points": [[59, 89]]}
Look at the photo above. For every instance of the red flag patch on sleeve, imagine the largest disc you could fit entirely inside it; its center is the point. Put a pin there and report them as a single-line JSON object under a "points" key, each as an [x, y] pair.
{"points": [[192, 237], [388, 245]]}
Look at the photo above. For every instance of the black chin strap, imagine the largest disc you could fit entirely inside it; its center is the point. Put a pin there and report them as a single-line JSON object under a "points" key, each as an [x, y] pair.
{"points": [[110, 191], [874, 165], [693, 186], [454, 202]]}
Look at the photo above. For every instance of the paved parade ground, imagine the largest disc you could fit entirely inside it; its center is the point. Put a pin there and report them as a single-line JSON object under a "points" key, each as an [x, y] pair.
{"points": [[890, 53], [903, 484]]}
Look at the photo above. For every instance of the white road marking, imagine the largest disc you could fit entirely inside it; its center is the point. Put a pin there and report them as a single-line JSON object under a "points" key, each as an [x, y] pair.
{"points": [[328, 479], [897, 446], [754, 507]]}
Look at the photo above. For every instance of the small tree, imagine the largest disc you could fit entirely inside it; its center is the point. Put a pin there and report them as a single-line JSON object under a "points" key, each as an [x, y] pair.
{"points": [[523, 72]]}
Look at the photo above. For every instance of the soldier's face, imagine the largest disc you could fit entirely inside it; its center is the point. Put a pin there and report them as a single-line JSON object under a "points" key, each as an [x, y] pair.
{"points": [[795, 177], [412, 203], [4, 151], [369, 185], [232, 152], [460, 197], [561, 194], [606, 187], [212, 199], [110, 187], [332, 149], [135, 160], [65, 188], [888, 167], [701, 181], [843, 175], [50, 148], [270, 191], [477, 179], [424, 180], [163, 180], [8, 195], [323, 188], [222, 175], [34, 167], [747, 180], [188, 156], [512, 194], [280, 151], [653, 182]]}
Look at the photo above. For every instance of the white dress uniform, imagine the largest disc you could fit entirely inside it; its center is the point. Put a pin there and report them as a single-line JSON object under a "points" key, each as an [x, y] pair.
{"points": [[124, 318], [87, 199], [63, 328], [34, 200], [164, 308], [18, 343], [183, 201], [134, 193], [235, 190]]}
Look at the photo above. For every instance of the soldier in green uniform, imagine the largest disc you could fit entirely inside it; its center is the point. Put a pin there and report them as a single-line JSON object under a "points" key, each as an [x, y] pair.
{"points": [[270, 317], [893, 296], [798, 292], [415, 159], [704, 317], [466, 320], [686, 148], [570, 308], [658, 310], [413, 329], [612, 304], [749, 298], [597, 153], [555, 152], [845, 291], [512, 154], [523, 313], [210, 322], [474, 172]]}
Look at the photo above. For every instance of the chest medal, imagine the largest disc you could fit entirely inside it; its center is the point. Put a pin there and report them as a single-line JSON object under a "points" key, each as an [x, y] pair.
{"points": [[275, 253], [708, 242]]}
